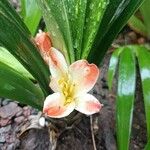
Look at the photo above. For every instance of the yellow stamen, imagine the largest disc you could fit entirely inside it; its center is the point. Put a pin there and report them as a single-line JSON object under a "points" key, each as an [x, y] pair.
{"points": [[67, 88]]}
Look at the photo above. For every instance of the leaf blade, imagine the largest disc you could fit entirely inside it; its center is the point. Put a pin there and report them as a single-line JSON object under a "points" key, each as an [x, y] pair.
{"points": [[115, 17], [15, 86], [76, 12], [113, 66], [18, 41], [10, 60], [144, 9], [125, 98], [147, 147], [94, 13], [58, 26], [31, 15], [143, 52], [137, 25]]}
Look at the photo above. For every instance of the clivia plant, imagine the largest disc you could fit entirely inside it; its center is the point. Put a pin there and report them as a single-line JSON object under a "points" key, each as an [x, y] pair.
{"points": [[65, 59]]}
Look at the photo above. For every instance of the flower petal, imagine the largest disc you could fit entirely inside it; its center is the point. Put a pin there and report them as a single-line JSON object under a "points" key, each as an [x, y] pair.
{"points": [[84, 75], [88, 104], [54, 106], [44, 44], [54, 85], [57, 63], [43, 41]]}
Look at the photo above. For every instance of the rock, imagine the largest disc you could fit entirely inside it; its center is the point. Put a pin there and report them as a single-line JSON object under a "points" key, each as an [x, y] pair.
{"points": [[133, 36], [5, 102], [19, 119], [2, 135], [1, 145], [17, 143], [34, 111], [5, 129], [25, 108], [27, 112], [4, 122], [20, 112], [141, 40], [11, 147], [9, 110], [2, 138], [4, 147], [10, 138]]}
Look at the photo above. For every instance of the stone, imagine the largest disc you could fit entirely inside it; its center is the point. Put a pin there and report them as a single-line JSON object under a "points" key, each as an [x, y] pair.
{"points": [[17, 143], [10, 138], [27, 112], [5, 102], [5, 129], [4, 122], [19, 119], [1, 145], [20, 112], [11, 147], [9, 110], [2, 138], [25, 108], [34, 111]]}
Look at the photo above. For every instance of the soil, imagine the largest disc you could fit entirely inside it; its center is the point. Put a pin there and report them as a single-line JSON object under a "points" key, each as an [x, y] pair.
{"points": [[90, 133]]}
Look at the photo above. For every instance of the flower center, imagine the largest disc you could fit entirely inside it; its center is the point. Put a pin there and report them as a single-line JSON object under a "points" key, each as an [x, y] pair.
{"points": [[67, 87]]}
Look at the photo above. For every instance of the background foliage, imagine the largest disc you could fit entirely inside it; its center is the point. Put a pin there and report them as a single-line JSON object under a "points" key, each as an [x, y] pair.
{"points": [[125, 60]]}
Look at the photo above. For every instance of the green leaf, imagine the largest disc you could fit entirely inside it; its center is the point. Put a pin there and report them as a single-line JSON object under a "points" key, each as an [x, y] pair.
{"points": [[125, 97], [8, 59], [113, 66], [16, 38], [76, 10], [31, 14], [145, 11], [57, 21], [7, 11], [17, 87], [126, 88], [147, 146], [22, 12], [115, 17], [137, 25], [94, 14], [143, 55]]}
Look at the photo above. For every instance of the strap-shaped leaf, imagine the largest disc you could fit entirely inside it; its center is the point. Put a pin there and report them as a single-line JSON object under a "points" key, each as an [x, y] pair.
{"points": [[147, 146], [125, 97], [143, 55], [57, 21], [16, 38], [11, 61], [144, 9], [31, 14], [20, 88], [8, 12], [115, 17], [76, 10], [136, 24], [94, 14], [113, 66]]}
